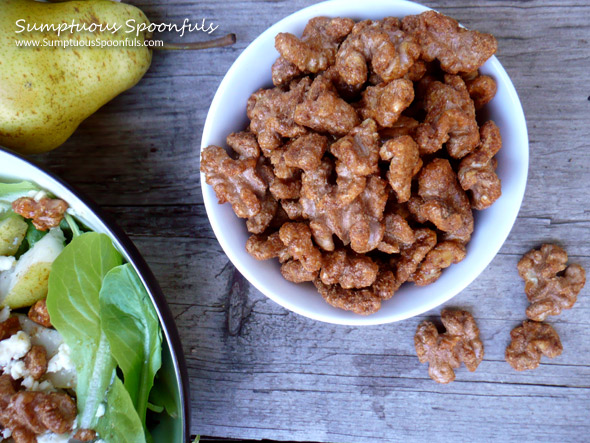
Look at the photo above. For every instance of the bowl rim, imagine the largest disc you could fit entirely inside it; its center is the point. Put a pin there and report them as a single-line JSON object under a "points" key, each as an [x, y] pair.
{"points": [[148, 279], [211, 202]]}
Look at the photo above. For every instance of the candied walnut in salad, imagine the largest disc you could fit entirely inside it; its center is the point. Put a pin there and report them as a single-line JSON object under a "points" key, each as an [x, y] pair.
{"points": [[360, 169]]}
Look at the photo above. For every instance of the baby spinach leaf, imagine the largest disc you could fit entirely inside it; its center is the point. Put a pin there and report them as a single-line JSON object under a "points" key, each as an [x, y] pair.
{"points": [[9, 192], [73, 304], [131, 325], [120, 424]]}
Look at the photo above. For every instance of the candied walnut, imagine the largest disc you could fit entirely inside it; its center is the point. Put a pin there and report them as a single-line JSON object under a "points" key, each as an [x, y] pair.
{"points": [[85, 435], [440, 257], [36, 361], [266, 247], [306, 152], [360, 301], [324, 111], [38, 412], [379, 45], [417, 71], [9, 327], [271, 113], [397, 234], [258, 223], [477, 172], [442, 38], [283, 72], [445, 352], [297, 238], [411, 256], [358, 224], [234, 181], [294, 271], [45, 214], [348, 269], [293, 209], [481, 88], [39, 314], [285, 188], [529, 342], [403, 126], [7, 390], [385, 102], [357, 156], [405, 163], [314, 52], [547, 286], [450, 119], [244, 143], [442, 201]]}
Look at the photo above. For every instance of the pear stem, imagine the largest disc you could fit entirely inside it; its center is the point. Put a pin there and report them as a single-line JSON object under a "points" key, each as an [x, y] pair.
{"points": [[229, 39]]}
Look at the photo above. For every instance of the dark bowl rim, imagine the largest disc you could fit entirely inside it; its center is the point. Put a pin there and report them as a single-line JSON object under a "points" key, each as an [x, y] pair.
{"points": [[150, 281]]}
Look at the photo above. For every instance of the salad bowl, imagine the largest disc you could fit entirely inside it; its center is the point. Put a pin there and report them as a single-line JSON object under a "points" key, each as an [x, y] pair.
{"points": [[171, 380]]}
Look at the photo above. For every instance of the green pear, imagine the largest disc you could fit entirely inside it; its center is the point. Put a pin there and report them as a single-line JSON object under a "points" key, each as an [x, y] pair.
{"points": [[13, 229], [47, 91], [27, 282]]}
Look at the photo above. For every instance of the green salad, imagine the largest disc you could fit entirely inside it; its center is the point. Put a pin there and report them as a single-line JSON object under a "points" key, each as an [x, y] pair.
{"points": [[67, 290]]}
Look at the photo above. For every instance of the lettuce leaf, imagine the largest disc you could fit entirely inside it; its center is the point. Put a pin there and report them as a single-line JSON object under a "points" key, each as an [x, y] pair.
{"points": [[131, 325], [118, 425], [73, 304]]}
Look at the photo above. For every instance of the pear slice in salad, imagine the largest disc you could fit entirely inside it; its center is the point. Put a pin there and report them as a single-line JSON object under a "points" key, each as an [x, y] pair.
{"points": [[12, 232], [27, 281]]}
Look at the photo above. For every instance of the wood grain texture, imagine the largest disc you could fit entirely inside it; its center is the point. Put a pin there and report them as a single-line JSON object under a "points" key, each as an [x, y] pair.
{"points": [[259, 371]]}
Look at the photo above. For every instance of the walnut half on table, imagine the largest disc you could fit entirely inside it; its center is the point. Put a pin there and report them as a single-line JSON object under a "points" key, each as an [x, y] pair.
{"points": [[360, 169]]}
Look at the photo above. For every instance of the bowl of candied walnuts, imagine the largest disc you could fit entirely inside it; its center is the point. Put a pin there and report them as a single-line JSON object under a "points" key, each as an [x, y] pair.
{"points": [[363, 162]]}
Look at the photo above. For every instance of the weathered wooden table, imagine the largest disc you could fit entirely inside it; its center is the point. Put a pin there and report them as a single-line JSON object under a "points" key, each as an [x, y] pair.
{"points": [[260, 371]]}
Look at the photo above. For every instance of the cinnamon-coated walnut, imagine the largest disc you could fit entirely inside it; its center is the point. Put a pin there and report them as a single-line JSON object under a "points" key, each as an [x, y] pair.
{"points": [[271, 113], [39, 314], [85, 435], [405, 162], [266, 247], [403, 126], [442, 201], [297, 238], [234, 181], [294, 271], [450, 119], [411, 256], [377, 46], [529, 342], [442, 38], [32, 412], [258, 223], [244, 143], [9, 327], [385, 102], [477, 172], [348, 269], [397, 234], [360, 301], [324, 111], [357, 156], [481, 88], [445, 352], [442, 256], [306, 152], [45, 214], [315, 51], [36, 361], [550, 286]]}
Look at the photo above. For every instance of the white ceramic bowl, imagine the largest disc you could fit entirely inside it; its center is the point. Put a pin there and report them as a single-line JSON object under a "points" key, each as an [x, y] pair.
{"points": [[252, 70]]}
